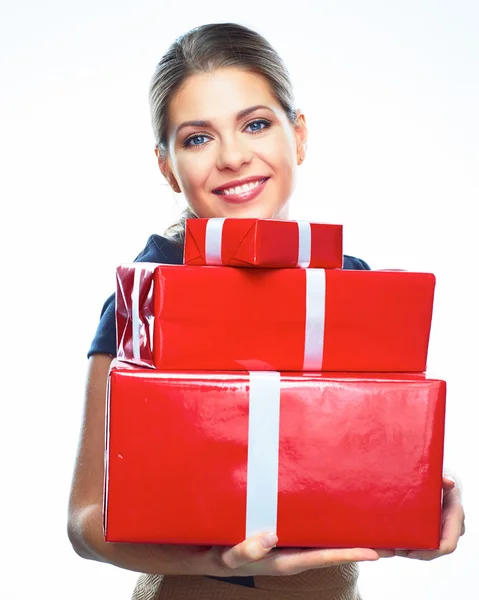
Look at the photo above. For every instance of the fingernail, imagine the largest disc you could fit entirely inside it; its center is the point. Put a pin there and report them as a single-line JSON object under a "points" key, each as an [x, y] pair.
{"points": [[268, 540], [413, 555]]}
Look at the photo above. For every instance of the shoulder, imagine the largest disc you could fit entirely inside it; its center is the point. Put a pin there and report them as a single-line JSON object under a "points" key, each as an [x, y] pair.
{"points": [[355, 264], [161, 249]]}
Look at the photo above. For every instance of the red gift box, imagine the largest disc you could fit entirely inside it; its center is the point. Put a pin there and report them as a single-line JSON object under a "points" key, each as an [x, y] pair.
{"points": [[179, 317], [263, 243], [326, 460]]}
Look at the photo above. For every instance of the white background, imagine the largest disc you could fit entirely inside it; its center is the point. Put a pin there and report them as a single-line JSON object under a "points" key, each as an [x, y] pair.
{"points": [[391, 94]]}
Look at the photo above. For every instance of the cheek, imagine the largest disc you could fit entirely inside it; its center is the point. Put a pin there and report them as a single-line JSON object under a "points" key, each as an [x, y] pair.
{"points": [[280, 153], [282, 164], [193, 172]]}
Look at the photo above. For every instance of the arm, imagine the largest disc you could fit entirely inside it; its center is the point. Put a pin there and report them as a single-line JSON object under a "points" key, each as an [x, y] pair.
{"points": [[254, 556], [85, 508]]}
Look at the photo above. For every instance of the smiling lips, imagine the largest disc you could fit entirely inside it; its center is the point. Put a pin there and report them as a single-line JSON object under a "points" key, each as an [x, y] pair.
{"points": [[242, 190]]}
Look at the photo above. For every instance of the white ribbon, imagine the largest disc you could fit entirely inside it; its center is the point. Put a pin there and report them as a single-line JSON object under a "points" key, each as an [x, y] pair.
{"points": [[263, 452], [304, 246], [135, 314], [315, 316], [214, 233]]}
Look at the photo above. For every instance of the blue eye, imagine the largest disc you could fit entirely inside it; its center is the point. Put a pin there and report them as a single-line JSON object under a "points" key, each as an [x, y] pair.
{"points": [[195, 140], [258, 125]]}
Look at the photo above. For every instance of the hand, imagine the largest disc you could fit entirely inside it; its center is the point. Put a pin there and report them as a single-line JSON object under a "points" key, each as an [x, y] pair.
{"points": [[258, 556], [453, 524]]}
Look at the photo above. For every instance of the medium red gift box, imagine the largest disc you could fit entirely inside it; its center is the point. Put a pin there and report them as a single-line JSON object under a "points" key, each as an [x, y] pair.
{"points": [[263, 243], [326, 460], [221, 318]]}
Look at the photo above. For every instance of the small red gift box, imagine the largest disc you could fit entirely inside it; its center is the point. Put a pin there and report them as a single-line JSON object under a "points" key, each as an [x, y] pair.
{"points": [[220, 318], [263, 243], [325, 460]]}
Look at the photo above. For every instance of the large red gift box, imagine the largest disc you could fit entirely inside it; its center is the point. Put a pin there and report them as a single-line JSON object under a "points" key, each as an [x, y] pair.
{"points": [[221, 318], [325, 460], [271, 243]]}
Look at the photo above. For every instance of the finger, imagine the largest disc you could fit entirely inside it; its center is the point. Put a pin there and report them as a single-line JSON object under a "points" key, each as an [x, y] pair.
{"points": [[444, 549], [383, 553], [290, 561], [447, 546], [455, 479], [453, 519], [448, 483], [452, 529], [252, 549]]}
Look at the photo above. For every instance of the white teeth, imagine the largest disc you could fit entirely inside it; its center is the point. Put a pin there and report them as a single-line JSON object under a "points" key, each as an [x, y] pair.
{"points": [[241, 189]]}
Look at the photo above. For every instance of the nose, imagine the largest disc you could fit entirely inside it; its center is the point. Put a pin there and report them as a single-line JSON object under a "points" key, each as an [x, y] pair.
{"points": [[233, 154]]}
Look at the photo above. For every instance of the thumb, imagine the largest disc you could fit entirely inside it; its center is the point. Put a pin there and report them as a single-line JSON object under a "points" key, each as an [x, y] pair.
{"points": [[253, 548]]}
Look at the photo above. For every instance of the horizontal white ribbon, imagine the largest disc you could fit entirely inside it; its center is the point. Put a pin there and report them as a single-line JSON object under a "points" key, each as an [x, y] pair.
{"points": [[315, 317], [214, 236], [263, 452]]}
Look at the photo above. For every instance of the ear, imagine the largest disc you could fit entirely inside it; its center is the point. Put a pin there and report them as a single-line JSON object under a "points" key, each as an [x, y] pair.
{"points": [[301, 135], [167, 172]]}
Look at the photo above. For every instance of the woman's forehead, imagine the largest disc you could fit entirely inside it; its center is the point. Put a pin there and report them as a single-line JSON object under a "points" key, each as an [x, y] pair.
{"points": [[218, 95]]}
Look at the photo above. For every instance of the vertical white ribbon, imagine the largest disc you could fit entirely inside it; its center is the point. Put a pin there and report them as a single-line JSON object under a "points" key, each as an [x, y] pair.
{"points": [[263, 452], [315, 316], [214, 235], [135, 314], [304, 246]]}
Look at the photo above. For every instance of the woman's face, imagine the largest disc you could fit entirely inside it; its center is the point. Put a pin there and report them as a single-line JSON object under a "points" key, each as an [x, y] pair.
{"points": [[231, 149]]}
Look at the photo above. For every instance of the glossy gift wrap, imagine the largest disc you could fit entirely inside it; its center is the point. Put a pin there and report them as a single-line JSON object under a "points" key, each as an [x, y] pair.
{"points": [[271, 243], [331, 460], [180, 317]]}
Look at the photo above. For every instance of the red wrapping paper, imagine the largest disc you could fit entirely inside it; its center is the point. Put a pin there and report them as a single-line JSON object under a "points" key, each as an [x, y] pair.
{"points": [[222, 318], [270, 243], [359, 465]]}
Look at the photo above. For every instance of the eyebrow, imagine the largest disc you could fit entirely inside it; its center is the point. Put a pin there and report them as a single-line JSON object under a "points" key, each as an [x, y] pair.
{"points": [[241, 115]]}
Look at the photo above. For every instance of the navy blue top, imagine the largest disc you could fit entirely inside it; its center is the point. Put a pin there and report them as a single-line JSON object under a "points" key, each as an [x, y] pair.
{"points": [[167, 251]]}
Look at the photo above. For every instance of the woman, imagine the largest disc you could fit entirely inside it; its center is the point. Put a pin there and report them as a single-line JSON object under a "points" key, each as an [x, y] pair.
{"points": [[230, 139]]}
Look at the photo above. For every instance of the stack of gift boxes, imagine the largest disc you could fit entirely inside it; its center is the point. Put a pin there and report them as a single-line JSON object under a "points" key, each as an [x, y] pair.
{"points": [[262, 387]]}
